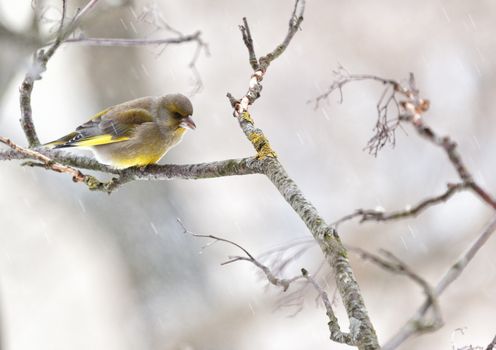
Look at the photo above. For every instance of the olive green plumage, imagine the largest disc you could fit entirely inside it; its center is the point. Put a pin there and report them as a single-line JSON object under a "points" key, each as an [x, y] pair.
{"points": [[133, 133]]}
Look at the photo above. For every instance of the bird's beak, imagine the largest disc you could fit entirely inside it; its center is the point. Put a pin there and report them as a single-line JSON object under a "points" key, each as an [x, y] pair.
{"points": [[188, 123]]}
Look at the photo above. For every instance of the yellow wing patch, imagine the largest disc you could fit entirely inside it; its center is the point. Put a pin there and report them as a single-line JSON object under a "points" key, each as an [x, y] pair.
{"points": [[99, 140]]}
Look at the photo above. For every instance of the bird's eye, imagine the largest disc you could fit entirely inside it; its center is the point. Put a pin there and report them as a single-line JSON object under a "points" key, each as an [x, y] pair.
{"points": [[177, 115]]}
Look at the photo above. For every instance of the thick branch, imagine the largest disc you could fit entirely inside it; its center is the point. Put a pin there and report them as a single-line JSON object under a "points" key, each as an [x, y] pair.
{"points": [[333, 250], [363, 332], [228, 167]]}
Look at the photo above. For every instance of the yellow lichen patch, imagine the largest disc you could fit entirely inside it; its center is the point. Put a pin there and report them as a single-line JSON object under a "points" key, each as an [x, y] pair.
{"points": [[246, 116], [262, 146], [91, 182]]}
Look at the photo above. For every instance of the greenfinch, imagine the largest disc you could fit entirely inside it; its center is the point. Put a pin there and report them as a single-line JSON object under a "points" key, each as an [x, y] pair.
{"points": [[133, 133]]}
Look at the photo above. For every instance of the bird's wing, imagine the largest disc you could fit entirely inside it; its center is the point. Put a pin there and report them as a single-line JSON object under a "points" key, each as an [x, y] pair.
{"points": [[109, 126]]}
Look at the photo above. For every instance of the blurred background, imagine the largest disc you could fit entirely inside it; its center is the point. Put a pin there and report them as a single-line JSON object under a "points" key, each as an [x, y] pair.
{"points": [[83, 270]]}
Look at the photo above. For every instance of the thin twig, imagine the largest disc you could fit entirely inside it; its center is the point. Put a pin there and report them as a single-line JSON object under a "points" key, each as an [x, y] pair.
{"points": [[80, 14], [342, 77], [131, 42], [248, 40], [294, 25], [264, 62], [77, 176], [46, 162], [492, 344], [153, 16], [378, 215], [411, 327], [411, 110], [284, 283], [121, 42], [395, 265], [336, 334], [450, 147]]}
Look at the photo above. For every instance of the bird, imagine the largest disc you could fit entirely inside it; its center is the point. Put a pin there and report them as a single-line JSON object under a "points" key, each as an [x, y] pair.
{"points": [[133, 133]]}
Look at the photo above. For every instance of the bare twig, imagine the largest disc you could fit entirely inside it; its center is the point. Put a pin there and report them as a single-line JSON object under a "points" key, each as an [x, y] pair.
{"points": [[385, 127], [413, 107], [395, 265], [378, 215], [46, 162], [294, 25], [121, 42], [450, 147], [411, 110], [201, 46], [336, 333], [43, 161], [248, 40], [342, 77], [411, 327], [272, 278], [83, 41], [79, 15], [264, 62], [492, 344], [153, 16]]}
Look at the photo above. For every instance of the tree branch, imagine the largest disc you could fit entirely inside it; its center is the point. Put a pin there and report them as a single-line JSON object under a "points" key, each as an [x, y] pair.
{"points": [[417, 323], [378, 215], [46, 162], [228, 167], [326, 237], [248, 40], [492, 345], [450, 147], [395, 265], [410, 109], [284, 283], [41, 58], [121, 42]]}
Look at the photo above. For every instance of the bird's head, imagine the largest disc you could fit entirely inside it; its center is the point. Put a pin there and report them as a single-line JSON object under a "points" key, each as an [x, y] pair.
{"points": [[175, 111]]}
